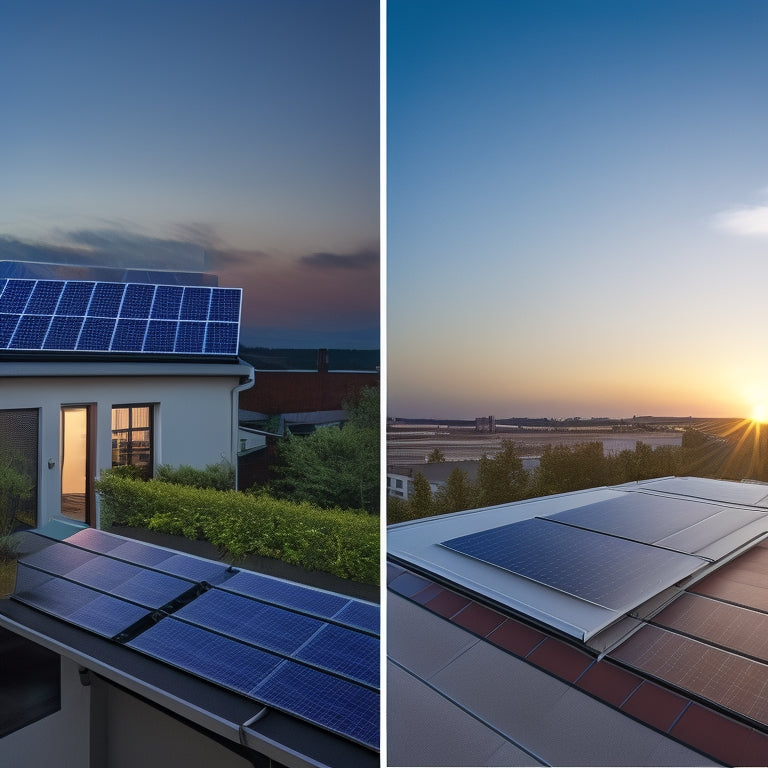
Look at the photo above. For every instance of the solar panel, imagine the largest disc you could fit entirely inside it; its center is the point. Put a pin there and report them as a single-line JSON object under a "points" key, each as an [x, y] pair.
{"points": [[346, 652], [637, 516], [611, 572], [266, 626], [288, 594], [360, 615], [336, 704], [89, 316]]}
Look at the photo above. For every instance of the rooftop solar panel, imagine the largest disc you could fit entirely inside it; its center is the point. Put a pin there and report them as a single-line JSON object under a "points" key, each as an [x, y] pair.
{"points": [[360, 615], [104, 317], [605, 570]]}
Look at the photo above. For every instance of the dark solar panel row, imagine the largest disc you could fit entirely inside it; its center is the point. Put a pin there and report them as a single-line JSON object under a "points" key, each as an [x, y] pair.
{"points": [[333, 703], [606, 570], [57, 315]]}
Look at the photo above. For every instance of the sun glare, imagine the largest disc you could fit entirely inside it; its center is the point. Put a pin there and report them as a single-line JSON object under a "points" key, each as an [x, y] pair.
{"points": [[760, 413]]}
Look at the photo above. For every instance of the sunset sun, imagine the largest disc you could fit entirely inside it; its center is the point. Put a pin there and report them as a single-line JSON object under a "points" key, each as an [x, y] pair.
{"points": [[760, 413]]}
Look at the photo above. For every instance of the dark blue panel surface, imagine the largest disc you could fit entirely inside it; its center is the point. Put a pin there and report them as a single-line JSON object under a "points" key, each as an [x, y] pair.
{"points": [[95, 540], [15, 296], [138, 553], [30, 332], [286, 593], [96, 334], [106, 301], [344, 651], [45, 297], [8, 325], [190, 338], [265, 626], [194, 305], [640, 517], [137, 301], [210, 656], [360, 615], [151, 589], [192, 568], [129, 335], [221, 338], [225, 305], [63, 333], [75, 299], [161, 336], [338, 705], [167, 302], [602, 569], [59, 558]]}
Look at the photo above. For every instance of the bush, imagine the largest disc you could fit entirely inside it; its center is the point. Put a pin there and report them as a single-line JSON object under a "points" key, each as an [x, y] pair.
{"points": [[219, 476], [342, 542]]}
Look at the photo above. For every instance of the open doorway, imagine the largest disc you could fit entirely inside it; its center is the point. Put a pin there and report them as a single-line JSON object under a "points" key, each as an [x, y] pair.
{"points": [[77, 493]]}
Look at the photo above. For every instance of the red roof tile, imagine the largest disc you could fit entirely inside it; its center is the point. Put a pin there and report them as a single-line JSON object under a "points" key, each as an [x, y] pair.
{"points": [[560, 659], [518, 638], [609, 682], [712, 733], [478, 619], [655, 705]]}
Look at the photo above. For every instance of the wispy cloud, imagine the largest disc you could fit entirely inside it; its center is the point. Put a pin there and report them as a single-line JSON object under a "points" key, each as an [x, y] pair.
{"points": [[745, 221], [361, 260]]}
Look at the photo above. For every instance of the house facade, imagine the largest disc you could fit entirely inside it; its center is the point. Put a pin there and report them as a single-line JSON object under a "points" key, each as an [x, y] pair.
{"points": [[148, 376]]}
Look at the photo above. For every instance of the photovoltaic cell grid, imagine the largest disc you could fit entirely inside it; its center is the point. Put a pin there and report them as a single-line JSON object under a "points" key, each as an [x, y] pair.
{"points": [[605, 570], [323, 667], [88, 316]]}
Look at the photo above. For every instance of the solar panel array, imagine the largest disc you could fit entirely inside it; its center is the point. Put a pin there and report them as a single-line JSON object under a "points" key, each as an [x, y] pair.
{"points": [[612, 572], [309, 653], [122, 318]]}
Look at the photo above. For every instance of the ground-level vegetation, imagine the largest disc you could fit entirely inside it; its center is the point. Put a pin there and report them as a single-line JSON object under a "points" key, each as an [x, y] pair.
{"points": [[739, 454]]}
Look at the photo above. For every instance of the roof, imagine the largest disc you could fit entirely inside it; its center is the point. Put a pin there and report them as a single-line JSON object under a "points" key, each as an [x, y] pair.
{"points": [[288, 670], [536, 628]]}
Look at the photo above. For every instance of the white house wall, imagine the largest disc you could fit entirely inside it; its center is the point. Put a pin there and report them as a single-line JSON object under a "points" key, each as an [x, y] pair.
{"points": [[193, 420]]}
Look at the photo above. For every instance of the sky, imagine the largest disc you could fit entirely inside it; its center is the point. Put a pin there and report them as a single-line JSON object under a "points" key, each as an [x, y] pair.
{"points": [[577, 208], [241, 137]]}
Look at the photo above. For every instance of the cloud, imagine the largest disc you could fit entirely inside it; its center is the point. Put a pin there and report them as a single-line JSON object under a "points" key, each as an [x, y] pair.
{"points": [[748, 221], [361, 260]]}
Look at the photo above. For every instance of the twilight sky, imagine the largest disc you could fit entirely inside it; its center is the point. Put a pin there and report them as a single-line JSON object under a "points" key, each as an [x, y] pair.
{"points": [[577, 207], [238, 136]]}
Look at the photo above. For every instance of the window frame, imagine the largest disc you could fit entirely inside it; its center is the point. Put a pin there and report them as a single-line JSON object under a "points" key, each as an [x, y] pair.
{"points": [[129, 430]]}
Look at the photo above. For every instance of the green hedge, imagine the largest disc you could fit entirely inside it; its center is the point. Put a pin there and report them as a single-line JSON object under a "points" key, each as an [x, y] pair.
{"points": [[341, 542]]}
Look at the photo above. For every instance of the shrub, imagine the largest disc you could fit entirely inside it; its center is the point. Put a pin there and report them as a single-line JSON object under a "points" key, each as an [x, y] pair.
{"points": [[342, 542], [220, 476]]}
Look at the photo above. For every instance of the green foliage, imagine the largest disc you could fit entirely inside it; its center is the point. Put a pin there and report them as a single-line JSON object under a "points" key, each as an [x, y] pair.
{"points": [[219, 476], [334, 467], [502, 478], [563, 468], [337, 541], [436, 456], [15, 487], [421, 499], [456, 495]]}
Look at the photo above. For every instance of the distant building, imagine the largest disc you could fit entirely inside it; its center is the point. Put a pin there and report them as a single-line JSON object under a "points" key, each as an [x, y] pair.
{"points": [[485, 424]]}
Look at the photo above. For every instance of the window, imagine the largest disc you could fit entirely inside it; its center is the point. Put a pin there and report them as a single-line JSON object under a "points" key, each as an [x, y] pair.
{"points": [[19, 448], [30, 682], [132, 437]]}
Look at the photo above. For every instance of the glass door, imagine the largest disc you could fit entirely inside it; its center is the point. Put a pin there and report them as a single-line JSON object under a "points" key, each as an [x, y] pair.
{"points": [[76, 450]]}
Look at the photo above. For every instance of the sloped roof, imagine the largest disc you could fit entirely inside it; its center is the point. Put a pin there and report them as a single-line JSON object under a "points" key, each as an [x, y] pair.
{"points": [[289, 670], [527, 655]]}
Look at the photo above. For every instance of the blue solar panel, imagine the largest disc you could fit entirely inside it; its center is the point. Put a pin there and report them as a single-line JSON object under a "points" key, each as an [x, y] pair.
{"points": [[605, 570], [344, 651], [75, 299], [107, 299], [265, 626], [44, 298], [30, 332], [360, 615], [151, 589], [285, 593], [63, 333], [96, 333], [59, 315], [338, 705], [95, 540], [15, 296], [59, 558], [138, 553], [195, 303], [192, 568], [138, 300], [210, 656]]}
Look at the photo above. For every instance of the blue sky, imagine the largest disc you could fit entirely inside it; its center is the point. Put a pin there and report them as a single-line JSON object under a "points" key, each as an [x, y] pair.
{"points": [[241, 136], [577, 200]]}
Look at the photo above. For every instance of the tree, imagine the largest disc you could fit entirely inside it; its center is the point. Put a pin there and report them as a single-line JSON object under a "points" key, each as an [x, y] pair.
{"points": [[502, 478], [335, 467], [420, 502], [436, 456], [456, 495]]}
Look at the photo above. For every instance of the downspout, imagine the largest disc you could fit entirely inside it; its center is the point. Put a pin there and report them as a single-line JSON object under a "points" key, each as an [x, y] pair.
{"points": [[247, 384]]}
